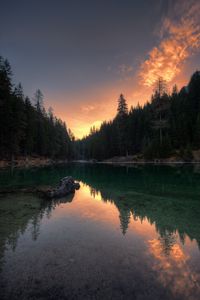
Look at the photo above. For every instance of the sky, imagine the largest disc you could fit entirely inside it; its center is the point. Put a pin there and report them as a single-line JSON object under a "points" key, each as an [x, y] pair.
{"points": [[83, 54]]}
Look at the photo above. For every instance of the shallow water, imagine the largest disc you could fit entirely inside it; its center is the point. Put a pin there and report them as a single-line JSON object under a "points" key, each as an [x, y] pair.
{"points": [[128, 233]]}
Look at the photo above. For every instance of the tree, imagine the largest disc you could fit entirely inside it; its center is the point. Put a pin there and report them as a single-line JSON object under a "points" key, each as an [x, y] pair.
{"points": [[160, 127], [5, 78], [38, 100], [160, 87], [27, 129], [121, 123], [174, 91], [122, 109], [5, 106], [18, 91], [71, 135], [197, 132], [17, 121], [30, 130], [161, 103]]}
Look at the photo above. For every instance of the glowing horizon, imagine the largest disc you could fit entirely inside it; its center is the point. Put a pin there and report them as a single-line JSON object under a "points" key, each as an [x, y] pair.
{"points": [[80, 119], [92, 53], [178, 42]]}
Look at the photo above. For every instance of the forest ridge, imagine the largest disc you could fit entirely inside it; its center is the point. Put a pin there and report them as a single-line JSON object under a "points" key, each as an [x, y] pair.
{"points": [[26, 128], [169, 123]]}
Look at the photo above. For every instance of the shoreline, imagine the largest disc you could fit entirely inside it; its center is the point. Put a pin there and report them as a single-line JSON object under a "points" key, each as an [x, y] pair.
{"points": [[151, 162], [29, 162], [38, 162], [136, 162]]}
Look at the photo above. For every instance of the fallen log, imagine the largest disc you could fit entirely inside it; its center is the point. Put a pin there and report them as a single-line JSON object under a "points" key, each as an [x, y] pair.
{"points": [[66, 186]]}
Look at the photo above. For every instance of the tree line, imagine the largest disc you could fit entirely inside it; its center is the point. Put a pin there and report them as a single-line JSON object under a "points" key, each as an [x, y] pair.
{"points": [[26, 128], [167, 124]]}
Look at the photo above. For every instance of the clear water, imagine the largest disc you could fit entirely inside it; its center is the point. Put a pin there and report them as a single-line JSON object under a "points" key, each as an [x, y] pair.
{"points": [[128, 233]]}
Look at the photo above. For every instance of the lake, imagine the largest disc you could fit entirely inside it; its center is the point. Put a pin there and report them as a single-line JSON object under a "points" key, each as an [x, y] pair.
{"points": [[129, 232]]}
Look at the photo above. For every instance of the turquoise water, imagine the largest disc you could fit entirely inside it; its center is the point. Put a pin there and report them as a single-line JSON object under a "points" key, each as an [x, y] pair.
{"points": [[128, 233]]}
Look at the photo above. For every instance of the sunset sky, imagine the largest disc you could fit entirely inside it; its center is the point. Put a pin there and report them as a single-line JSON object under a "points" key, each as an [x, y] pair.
{"points": [[83, 53]]}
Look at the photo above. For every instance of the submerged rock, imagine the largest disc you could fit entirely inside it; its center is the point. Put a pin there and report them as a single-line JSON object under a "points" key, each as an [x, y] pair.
{"points": [[66, 186]]}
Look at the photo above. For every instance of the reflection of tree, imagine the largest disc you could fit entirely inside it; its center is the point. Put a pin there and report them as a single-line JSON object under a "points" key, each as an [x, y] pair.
{"points": [[36, 227], [168, 215], [167, 241], [124, 216], [166, 196], [19, 211], [93, 192]]}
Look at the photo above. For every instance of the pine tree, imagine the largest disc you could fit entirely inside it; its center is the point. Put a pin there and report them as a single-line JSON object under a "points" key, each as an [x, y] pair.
{"points": [[5, 106], [122, 109], [41, 134], [26, 129], [17, 121], [197, 132], [121, 123], [160, 101], [29, 134], [38, 100]]}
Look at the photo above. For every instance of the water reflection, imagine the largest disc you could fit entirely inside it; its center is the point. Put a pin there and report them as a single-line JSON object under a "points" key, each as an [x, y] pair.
{"points": [[21, 211], [172, 261], [129, 228], [170, 215], [174, 270]]}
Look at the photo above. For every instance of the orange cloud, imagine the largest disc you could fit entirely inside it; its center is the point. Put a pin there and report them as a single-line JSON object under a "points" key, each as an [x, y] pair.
{"points": [[180, 38]]}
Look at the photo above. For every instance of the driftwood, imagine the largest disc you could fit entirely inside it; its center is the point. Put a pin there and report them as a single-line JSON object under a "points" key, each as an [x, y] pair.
{"points": [[66, 186]]}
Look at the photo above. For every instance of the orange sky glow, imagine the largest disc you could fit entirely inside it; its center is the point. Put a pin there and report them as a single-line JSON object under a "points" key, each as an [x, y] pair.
{"points": [[101, 103], [178, 41]]}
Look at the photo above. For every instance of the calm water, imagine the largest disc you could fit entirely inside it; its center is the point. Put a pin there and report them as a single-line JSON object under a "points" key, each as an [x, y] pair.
{"points": [[128, 233]]}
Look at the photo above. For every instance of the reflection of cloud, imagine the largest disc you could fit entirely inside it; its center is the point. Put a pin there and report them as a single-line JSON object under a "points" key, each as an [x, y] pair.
{"points": [[174, 270], [176, 253], [180, 38]]}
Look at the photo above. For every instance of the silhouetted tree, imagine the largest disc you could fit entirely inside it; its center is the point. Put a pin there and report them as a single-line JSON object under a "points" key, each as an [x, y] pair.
{"points": [[27, 129], [121, 121], [161, 104]]}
